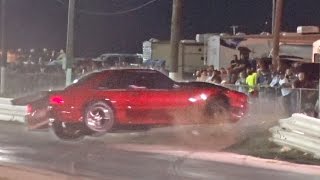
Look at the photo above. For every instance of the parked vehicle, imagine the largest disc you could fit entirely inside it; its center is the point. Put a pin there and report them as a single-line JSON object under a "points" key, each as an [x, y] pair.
{"points": [[113, 59], [108, 99]]}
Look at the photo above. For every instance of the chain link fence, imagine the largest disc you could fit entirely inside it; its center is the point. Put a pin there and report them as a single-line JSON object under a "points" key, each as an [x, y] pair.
{"points": [[269, 100], [21, 84]]}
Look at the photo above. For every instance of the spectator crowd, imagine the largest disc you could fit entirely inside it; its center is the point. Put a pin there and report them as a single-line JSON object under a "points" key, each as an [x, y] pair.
{"points": [[259, 78], [32, 61], [44, 61]]}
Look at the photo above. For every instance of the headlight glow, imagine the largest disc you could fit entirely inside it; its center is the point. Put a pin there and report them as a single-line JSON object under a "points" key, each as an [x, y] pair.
{"points": [[203, 97], [192, 99]]}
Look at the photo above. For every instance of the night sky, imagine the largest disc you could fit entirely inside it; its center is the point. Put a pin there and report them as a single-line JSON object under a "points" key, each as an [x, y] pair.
{"points": [[43, 23]]}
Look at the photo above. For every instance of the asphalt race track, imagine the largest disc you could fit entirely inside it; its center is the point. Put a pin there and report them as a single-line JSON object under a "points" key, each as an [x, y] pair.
{"points": [[97, 158]]}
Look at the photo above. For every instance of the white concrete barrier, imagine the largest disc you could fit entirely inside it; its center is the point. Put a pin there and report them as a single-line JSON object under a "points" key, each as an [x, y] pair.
{"points": [[9, 112], [299, 132]]}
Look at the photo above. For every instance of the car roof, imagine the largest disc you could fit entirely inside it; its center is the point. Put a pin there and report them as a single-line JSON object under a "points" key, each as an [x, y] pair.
{"points": [[128, 70], [105, 56]]}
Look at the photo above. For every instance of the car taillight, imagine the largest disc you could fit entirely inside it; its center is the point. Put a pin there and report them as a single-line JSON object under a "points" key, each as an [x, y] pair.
{"points": [[56, 100], [29, 109], [237, 99]]}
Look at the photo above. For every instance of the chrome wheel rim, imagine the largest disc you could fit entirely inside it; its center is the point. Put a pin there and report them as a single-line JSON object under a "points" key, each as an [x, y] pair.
{"points": [[99, 118]]}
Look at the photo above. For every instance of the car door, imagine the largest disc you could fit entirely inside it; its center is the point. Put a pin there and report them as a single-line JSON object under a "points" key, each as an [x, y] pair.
{"points": [[161, 101], [115, 87], [175, 102], [157, 97], [136, 89]]}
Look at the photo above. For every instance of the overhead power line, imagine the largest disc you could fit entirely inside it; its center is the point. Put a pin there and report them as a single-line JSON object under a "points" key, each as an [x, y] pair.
{"points": [[95, 13]]}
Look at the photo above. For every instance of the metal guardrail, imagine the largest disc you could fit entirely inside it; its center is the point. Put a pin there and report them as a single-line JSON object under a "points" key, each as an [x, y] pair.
{"points": [[299, 132], [9, 112]]}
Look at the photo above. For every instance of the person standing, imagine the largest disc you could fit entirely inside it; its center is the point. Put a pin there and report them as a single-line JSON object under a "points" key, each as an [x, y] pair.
{"points": [[234, 61], [306, 96], [251, 81], [203, 76], [241, 83], [286, 93]]}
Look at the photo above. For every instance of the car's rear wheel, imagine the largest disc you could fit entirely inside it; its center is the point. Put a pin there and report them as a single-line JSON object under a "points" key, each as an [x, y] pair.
{"points": [[218, 110], [99, 118], [67, 131]]}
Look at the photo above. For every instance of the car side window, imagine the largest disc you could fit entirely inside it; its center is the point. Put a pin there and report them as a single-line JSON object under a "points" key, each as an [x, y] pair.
{"points": [[113, 81], [161, 81], [137, 80], [147, 80]]}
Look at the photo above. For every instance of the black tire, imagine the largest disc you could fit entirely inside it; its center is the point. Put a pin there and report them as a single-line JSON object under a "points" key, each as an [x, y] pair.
{"points": [[218, 109], [99, 118], [67, 132]]}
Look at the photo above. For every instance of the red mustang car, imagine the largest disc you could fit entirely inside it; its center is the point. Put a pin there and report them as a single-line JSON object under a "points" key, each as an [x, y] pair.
{"points": [[101, 101]]}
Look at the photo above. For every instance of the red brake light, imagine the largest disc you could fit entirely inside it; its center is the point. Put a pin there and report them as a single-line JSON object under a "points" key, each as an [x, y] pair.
{"points": [[29, 109], [56, 100]]}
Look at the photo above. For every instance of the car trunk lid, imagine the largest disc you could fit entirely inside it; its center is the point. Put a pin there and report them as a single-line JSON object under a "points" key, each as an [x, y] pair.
{"points": [[38, 109]]}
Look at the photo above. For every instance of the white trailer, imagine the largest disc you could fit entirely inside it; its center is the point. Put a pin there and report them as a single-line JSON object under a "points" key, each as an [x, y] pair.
{"points": [[316, 52], [218, 55], [191, 54]]}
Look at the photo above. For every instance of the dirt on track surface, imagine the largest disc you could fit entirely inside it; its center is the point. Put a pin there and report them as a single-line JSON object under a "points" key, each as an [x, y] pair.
{"points": [[208, 137], [250, 136]]}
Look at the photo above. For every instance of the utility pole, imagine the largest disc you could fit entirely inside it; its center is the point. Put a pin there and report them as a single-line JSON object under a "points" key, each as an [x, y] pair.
{"points": [[234, 29], [70, 42], [176, 23], [276, 34], [3, 47], [273, 15]]}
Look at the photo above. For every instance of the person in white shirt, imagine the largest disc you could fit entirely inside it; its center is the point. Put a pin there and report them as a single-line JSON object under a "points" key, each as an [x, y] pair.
{"points": [[286, 92], [241, 83], [203, 77]]}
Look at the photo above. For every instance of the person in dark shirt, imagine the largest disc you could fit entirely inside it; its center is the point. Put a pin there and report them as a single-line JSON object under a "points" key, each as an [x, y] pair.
{"points": [[306, 95], [244, 61], [44, 56], [233, 63], [302, 82]]}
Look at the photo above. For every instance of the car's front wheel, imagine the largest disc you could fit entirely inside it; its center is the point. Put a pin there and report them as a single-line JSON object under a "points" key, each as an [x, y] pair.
{"points": [[67, 131], [99, 117]]}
